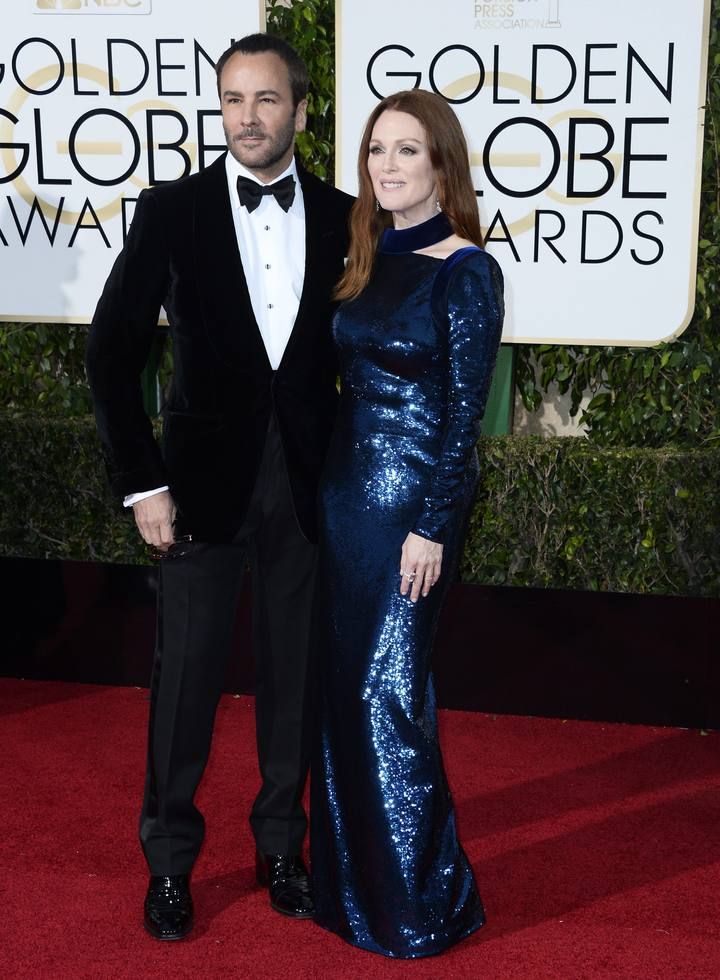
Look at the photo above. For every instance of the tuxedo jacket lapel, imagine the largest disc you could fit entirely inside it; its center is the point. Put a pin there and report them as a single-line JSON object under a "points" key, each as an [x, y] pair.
{"points": [[314, 231], [229, 317]]}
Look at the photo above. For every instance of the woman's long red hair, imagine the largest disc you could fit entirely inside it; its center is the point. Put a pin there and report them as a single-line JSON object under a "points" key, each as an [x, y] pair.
{"points": [[449, 158]]}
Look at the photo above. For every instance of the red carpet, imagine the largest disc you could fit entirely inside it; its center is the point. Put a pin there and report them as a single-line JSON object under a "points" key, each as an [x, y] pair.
{"points": [[596, 848]]}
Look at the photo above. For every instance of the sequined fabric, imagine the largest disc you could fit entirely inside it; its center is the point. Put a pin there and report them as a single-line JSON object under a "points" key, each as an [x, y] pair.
{"points": [[417, 350]]}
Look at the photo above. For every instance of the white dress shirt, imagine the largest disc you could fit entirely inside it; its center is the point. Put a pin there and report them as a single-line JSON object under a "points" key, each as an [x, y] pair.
{"points": [[272, 248], [271, 243]]}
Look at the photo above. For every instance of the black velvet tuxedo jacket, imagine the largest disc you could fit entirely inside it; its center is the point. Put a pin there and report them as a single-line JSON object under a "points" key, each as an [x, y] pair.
{"points": [[181, 253]]}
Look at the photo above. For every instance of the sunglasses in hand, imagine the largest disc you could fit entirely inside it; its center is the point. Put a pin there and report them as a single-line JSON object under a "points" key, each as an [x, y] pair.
{"points": [[180, 547]]}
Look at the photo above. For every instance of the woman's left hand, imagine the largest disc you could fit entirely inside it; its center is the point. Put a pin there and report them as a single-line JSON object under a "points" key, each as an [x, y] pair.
{"points": [[420, 564]]}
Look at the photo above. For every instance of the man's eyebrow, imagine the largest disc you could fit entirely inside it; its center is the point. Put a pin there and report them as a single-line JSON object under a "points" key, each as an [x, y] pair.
{"points": [[259, 94]]}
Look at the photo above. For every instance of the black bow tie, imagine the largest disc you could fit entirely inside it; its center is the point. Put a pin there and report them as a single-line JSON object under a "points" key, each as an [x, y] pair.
{"points": [[250, 192]]}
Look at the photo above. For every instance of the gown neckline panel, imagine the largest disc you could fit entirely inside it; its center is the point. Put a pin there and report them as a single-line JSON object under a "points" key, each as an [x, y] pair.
{"points": [[401, 241]]}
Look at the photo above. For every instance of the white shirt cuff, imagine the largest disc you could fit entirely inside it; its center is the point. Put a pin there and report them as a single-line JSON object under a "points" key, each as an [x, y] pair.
{"points": [[132, 498]]}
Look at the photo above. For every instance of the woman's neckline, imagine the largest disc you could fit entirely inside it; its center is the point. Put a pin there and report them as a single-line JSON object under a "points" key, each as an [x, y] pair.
{"points": [[398, 241]]}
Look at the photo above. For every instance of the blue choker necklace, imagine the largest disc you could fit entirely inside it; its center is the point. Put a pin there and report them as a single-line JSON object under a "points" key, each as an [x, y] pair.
{"points": [[395, 241]]}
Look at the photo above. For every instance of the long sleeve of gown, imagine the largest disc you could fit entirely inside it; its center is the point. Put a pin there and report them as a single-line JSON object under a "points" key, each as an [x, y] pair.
{"points": [[470, 302]]}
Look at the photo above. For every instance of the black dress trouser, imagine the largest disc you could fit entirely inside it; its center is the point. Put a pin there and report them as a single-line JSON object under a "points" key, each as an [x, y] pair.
{"points": [[196, 615]]}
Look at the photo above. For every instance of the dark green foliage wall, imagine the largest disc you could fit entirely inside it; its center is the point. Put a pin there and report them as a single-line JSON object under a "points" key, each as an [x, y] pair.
{"points": [[310, 28], [563, 513], [558, 513], [42, 368], [54, 497]]}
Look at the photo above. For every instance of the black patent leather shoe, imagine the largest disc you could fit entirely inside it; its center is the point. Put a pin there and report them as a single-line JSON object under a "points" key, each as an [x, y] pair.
{"points": [[288, 883], [169, 907]]}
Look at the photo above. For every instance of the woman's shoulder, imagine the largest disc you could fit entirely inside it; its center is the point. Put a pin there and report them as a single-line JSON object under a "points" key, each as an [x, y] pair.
{"points": [[467, 275], [470, 262], [468, 253], [456, 251]]}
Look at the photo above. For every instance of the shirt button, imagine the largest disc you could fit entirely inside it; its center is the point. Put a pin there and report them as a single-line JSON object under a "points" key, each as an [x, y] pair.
{"points": [[270, 306], [267, 266], [267, 227]]}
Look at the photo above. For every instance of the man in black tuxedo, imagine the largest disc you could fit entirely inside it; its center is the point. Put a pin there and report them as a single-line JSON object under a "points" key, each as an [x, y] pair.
{"points": [[243, 257]]}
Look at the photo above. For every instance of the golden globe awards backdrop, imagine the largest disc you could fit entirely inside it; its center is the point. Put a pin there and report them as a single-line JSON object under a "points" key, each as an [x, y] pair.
{"points": [[584, 122], [98, 99]]}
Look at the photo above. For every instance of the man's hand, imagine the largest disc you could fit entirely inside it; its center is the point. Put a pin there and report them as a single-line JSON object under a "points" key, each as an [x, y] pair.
{"points": [[154, 517], [420, 564]]}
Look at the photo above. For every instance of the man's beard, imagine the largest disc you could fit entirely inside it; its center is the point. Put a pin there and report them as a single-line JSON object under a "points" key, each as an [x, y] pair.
{"points": [[273, 150]]}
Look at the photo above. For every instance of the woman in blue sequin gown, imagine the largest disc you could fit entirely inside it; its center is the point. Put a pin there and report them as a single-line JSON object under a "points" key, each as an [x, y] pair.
{"points": [[417, 343]]}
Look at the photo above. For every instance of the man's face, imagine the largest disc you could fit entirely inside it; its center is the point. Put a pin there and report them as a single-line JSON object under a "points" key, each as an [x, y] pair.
{"points": [[258, 115]]}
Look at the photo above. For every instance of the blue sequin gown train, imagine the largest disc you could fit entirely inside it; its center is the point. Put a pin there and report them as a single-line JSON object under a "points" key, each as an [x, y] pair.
{"points": [[417, 349]]}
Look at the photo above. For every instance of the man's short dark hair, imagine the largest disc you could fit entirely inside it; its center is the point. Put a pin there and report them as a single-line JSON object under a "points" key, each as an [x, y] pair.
{"points": [[260, 44]]}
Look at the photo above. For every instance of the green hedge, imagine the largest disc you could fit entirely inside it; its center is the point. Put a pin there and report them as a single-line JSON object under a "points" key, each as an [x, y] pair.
{"points": [[556, 513], [54, 498], [562, 513]]}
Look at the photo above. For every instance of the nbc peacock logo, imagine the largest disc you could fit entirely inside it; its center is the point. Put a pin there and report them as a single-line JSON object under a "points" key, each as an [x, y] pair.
{"points": [[92, 6]]}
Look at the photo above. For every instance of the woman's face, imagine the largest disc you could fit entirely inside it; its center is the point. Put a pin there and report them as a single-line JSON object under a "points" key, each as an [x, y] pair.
{"points": [[400, 170]]}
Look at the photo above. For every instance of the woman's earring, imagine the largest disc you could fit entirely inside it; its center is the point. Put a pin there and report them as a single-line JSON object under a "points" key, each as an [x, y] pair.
{"points": [[377, 205], [437, 205]]}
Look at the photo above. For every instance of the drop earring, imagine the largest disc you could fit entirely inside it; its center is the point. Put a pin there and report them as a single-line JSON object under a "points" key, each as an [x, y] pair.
{"points": [[438, 208]]}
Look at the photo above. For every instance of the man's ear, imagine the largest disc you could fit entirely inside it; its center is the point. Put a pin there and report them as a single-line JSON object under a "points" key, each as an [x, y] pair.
{"points": [[301, 116]]}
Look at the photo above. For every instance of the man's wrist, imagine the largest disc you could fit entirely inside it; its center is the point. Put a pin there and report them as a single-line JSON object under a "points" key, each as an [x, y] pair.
{"points": [[134, 498]]}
